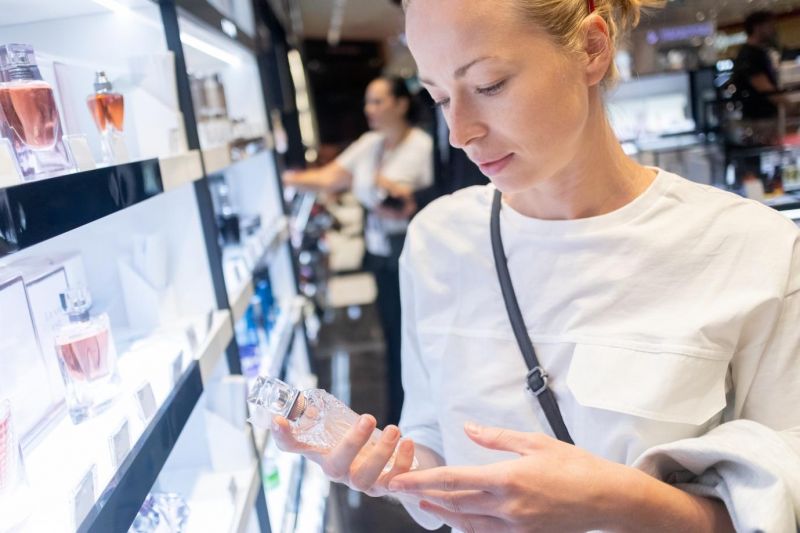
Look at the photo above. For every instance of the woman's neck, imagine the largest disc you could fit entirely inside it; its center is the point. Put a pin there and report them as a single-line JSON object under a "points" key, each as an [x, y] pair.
{"points": [[395, 135], [595, 182]]}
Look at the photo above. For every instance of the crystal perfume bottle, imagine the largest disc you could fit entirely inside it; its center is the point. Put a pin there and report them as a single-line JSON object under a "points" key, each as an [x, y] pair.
{"points": [[29, 116], [161, 512], [317, 418], [86, 356], [108, 111], [15, 500]]}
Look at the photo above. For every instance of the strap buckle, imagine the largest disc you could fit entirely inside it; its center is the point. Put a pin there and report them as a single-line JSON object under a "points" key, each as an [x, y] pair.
{"points": [[537, 380]]}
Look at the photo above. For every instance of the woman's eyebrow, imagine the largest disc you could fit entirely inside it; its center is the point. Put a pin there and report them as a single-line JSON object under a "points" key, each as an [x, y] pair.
{"points": [[461, 71]]}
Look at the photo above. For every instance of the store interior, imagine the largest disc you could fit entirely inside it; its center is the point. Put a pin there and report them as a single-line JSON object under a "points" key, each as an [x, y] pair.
{"points": [[153, 265]]}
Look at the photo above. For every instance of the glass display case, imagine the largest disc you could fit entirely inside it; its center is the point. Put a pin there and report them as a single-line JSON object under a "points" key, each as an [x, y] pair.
{"points": [[143, 239]]}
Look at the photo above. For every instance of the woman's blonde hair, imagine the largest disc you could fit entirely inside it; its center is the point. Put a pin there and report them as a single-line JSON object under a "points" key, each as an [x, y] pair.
{"points": [[563, 19]]}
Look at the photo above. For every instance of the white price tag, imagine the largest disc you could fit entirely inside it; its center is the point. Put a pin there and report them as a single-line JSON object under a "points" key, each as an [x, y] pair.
{"points": [[191, 338], [239, 271], [83, 497], [233, 489], [9, 172], [177, 368], [147, 402], [119, 444], [78, 146], [118, 148]]}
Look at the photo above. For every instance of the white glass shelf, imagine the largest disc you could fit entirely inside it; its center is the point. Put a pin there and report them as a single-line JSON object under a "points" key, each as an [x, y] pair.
{"points": [[64, 454]]}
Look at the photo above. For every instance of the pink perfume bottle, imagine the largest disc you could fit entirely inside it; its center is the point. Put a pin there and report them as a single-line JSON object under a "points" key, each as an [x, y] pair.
{"points": [[15, 500], [87, 357], [29, 116], [108, 111]]}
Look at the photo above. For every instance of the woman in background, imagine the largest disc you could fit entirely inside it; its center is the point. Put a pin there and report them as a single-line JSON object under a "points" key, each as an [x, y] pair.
{"points": [[383, 167]]}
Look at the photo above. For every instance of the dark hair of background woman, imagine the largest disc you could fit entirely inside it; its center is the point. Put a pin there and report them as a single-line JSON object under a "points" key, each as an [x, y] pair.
{"points": [[399, 89]]}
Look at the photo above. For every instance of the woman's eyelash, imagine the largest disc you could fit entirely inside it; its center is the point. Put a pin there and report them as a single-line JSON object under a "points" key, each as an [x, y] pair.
{"points": [[492, 89], [485, 91]]}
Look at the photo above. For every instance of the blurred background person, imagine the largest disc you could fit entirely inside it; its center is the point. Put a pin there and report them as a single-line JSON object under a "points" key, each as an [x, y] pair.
{"points": [[382, 169]]}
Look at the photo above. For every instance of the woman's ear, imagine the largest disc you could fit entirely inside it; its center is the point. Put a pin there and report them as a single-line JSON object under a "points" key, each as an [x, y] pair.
{"points": [[598, 49]]}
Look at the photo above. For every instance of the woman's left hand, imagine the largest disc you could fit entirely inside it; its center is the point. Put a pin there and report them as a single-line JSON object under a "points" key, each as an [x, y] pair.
{"points": [[553, 486]]}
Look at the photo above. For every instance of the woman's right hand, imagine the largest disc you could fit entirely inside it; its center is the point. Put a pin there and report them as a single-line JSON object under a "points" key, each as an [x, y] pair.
{"points": [[355, 461]]}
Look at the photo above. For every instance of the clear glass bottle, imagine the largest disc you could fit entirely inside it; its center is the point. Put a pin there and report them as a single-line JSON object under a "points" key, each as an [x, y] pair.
{"points": [[317, 418], [15, 494], [108, 111], [29, 116], [87, 357]]}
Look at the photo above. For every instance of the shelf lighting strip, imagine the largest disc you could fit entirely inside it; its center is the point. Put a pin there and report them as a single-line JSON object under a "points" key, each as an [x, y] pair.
{"points": [[188, 39]]}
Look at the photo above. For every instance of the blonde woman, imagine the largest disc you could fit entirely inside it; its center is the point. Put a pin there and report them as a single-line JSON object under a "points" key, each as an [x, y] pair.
{"points": [[580, 298]]}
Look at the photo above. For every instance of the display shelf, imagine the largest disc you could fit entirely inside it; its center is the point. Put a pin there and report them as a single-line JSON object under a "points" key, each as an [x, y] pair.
{"points": [[216, 159], [180, 169], [218, 501], [248, 501], [280, 339], [240, 299], [313, 495], [280, 501], [57, 464], [277, 234], [33, 212], [215, 344], [303, 214]]}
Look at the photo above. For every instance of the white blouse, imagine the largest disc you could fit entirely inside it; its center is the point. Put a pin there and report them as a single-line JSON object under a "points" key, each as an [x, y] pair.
{"points": [[409, 163], [670, 329]]}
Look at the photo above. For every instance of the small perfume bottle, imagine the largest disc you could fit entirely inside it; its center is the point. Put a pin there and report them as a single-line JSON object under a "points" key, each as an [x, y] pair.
{"points": [[86, 356], [29, 115], [108, 111], [316, 417], [15, 497]]}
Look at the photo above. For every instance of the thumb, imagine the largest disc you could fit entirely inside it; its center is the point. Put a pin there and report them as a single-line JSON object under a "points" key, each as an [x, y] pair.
{"points": [[501, 439]]}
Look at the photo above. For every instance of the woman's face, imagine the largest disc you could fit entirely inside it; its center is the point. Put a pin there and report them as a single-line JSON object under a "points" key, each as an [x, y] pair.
{"points": [[514, 100], [382, 109]]}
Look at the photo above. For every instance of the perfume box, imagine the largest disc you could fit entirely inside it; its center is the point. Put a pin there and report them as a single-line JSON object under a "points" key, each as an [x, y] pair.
{"points": [[25, 376]]}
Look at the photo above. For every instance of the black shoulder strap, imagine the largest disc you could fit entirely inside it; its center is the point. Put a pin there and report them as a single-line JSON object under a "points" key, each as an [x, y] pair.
{"points": [[537, 377]]}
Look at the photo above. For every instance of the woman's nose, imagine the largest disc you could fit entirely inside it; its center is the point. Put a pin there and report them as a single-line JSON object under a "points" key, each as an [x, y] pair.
{"points": [[465, 127]]}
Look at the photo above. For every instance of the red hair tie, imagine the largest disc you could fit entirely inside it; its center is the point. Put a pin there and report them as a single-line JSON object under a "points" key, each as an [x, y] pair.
{"points": [[591, 6]]}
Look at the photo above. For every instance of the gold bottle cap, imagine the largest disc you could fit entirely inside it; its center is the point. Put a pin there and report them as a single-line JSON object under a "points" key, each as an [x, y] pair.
{"points": [[298, 408]]}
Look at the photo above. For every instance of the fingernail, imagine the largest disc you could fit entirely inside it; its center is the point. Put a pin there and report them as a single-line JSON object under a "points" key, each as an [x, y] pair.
{"points": [[472, 427], [364, 423], [392, 432]]}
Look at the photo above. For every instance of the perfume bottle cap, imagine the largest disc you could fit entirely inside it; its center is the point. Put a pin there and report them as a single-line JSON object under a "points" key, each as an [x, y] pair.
{"points": [[102, 83], [76, 302], [274, 395], [18, 62]]}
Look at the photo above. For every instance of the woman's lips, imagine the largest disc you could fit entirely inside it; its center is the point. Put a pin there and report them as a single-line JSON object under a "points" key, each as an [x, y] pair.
{"points": [[493, 167]]}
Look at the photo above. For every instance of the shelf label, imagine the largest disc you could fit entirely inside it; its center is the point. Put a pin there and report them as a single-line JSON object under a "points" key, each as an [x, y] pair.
{"points": [[83, 496], [78, 146], [147, 402], [119, 444], [233, 489], [238, 272], [177, 368], [9, 172], [191, 338]]}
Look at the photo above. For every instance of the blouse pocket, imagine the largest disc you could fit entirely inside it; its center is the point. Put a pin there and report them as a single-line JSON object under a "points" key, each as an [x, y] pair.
{"points": [[663, 385]]}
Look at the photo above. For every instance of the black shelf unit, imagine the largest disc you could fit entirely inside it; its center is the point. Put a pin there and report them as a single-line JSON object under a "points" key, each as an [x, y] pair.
{"points": [[33, 212]]}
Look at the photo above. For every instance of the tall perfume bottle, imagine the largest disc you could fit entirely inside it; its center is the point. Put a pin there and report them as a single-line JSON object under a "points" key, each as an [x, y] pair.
{"points": [[15, 497], [29, 117], [87, 356], [316, 417], [108, 111]]}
